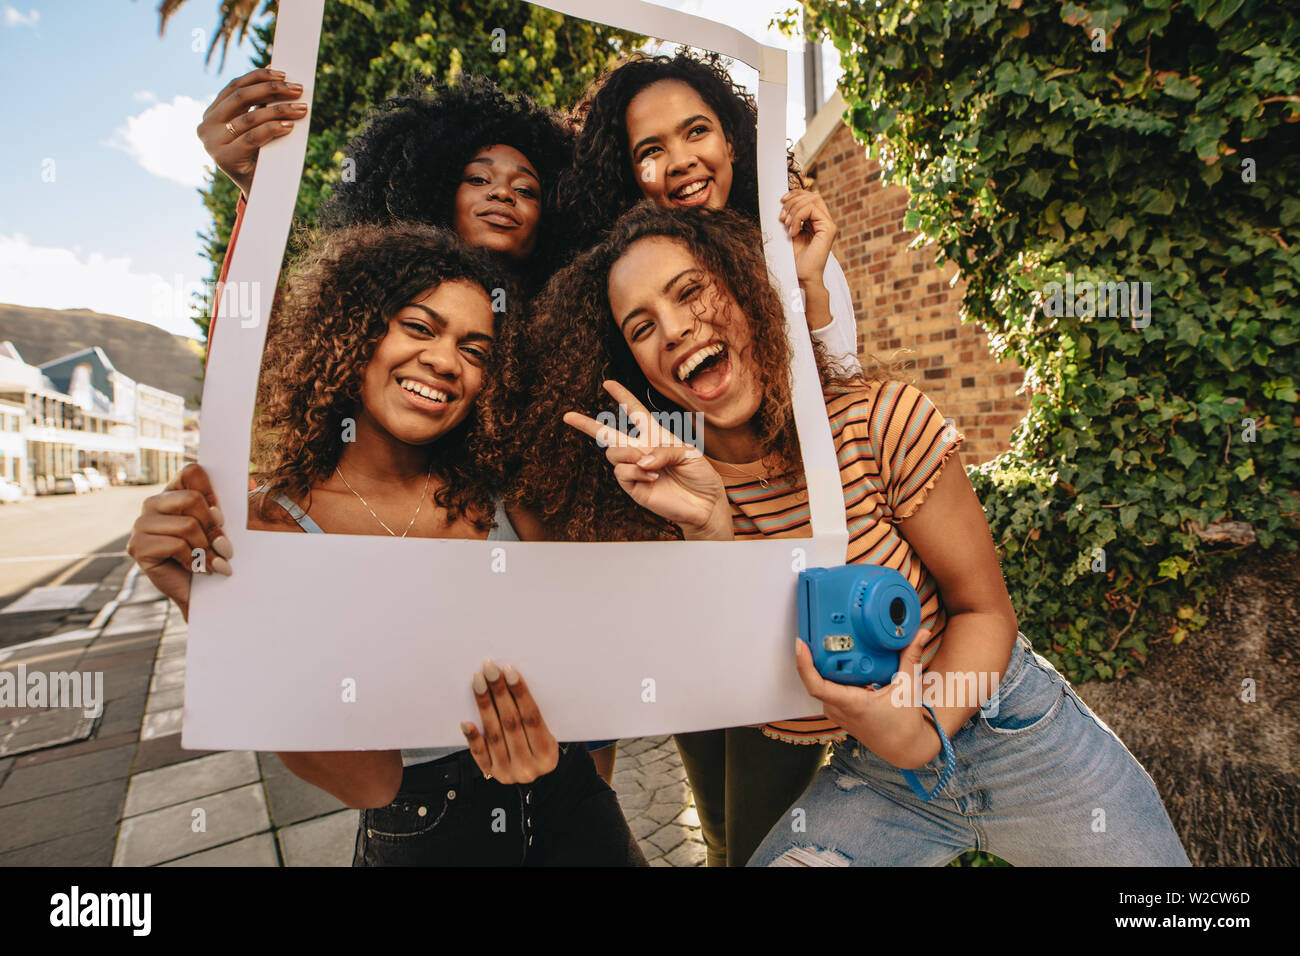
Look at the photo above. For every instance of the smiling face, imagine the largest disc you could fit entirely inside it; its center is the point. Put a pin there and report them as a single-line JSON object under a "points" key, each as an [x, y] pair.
{"points": [[498, 204], [686, 332], [681, 156], [428, 369]]}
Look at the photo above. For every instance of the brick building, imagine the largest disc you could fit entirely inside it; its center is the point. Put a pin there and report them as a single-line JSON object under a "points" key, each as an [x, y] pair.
{"points": [[902, 298]]}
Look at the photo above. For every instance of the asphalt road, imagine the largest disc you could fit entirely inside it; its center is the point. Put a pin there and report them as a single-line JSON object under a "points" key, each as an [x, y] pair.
{"points": [[52, 539]]}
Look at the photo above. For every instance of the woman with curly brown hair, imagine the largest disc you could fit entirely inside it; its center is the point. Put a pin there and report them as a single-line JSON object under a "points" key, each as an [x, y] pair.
{"points": [[680, 132], [1020, 771], [376, 355]]}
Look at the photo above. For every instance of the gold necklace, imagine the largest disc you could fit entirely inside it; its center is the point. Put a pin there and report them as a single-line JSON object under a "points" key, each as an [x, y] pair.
{"points": [[381, 520], [762, 482]]}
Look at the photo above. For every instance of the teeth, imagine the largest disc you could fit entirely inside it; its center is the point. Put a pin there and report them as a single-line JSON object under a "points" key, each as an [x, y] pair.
{"points": [[425, 391], [688, 191], [691, 364]]}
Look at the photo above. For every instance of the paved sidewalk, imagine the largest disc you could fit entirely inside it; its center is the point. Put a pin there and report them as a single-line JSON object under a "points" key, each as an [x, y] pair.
{"points": [[128, 795]]}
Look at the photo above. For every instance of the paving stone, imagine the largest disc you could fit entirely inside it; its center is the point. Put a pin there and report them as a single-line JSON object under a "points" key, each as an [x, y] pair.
{"points": [[112, 657], [166, 681], [634, 801], [49, 728], [166, 699], [673, 793], [688, 818], [325, 841], [121, 715], [173, 666], [293, 800], [6, 763], [188, 781], [635, 747], [656, 781], [627, 779], [126, 683], [162, 723], [666, 838], [61, 814], [663, 812], [658, 861], [257, 850], [169, 650], [642, 826], [88, 848], [93, 745], [162, 751], [29, 783], [144, 591], [272, 765], [62, 597], [687, 853], [168, 834]]}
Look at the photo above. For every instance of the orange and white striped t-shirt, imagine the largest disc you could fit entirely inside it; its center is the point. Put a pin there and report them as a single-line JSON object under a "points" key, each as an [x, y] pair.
{"points": [[892, 444]]}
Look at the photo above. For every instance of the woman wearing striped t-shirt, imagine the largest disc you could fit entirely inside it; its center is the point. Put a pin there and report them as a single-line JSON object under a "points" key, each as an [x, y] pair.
{"points": [[1033, 776]]}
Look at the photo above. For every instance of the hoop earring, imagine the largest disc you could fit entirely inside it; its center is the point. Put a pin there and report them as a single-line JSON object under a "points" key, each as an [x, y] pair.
{"points": [[649, 401]]}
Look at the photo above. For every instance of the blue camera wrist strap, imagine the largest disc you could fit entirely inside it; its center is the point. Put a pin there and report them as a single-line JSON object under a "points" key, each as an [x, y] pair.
{"points": [[949, 761]]}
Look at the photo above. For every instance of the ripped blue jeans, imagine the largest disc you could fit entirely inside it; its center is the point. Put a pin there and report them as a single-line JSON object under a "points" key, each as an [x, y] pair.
{"points": [[1040, 780]]}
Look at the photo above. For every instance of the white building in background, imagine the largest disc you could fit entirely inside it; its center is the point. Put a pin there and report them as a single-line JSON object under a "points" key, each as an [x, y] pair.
{"points": [[160, 424], [79, 412]]}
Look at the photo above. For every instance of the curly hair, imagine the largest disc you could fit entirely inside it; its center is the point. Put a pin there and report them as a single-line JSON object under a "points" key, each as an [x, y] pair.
{"points": [[329, 317], [557, 361], [411, 155], [602, 184]]}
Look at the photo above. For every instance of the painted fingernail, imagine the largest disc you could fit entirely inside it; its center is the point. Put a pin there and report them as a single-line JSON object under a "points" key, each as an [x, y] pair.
{"points": [[480, 685], [467, 729], [222, 546], [654, 475], [285, 124], [277, 73], [295, 87], [220, 565], [647, 460], [491, 672], [512, 675], [218, 518], [299, 107]]}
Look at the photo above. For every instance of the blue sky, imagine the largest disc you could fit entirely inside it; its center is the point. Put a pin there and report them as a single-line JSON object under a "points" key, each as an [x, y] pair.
{"points": [[99, 164]]}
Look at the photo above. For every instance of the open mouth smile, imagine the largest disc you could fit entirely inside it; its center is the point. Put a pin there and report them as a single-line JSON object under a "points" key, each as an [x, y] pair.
{"points": [[423, 395], [694, 193], [706, 372]]}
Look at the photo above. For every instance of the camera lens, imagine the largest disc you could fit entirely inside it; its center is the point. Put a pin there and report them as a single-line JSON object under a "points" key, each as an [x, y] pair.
{"points": [[897, 611]]}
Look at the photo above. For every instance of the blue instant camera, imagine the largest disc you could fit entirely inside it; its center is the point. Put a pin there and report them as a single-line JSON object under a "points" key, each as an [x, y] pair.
{"points": [[856, 619]]}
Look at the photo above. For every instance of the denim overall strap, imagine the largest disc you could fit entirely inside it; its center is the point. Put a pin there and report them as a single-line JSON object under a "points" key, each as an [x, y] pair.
{"points": [[949, 760]]}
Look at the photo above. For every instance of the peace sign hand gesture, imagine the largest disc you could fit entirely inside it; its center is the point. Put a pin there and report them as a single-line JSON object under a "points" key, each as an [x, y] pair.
{"points": [[660, 472]]}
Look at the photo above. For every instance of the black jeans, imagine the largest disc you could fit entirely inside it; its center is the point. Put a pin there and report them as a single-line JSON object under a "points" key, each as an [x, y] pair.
{"points": [[447, 814]]}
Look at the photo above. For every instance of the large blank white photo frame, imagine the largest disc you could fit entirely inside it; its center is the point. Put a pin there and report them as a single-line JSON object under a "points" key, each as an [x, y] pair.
{"points": [[336, 642]]}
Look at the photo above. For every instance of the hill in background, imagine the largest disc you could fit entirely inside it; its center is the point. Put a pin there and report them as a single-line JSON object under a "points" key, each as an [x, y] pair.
{"points": [[140, 351]]}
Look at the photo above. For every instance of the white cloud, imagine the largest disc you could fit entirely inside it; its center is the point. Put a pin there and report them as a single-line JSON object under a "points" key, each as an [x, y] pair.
{"points": [[14, 18], [53, 278], [162, 140]]}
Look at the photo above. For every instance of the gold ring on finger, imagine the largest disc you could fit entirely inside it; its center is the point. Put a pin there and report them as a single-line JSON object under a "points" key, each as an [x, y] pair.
{"points": [[232, 130]]}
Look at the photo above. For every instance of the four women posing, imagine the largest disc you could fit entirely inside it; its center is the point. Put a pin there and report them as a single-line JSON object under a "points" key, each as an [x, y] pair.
{"points": [[388, 320]]}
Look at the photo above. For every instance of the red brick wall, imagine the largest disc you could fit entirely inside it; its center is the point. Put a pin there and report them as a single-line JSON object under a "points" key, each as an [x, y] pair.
{"points": [[904, 300]]}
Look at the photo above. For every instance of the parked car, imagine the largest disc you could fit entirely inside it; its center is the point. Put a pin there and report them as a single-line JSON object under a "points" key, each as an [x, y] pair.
{"points": [[73, 484], [97, 481], [10, 491]]}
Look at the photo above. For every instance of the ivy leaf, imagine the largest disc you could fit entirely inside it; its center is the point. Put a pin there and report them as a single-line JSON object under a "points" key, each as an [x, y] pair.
{"points": [[1036, 182], [1181, 89]]}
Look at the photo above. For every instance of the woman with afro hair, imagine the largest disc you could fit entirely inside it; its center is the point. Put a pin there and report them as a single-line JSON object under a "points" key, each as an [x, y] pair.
{"points": [[465, 156], [377, 351], [680, 132]]}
